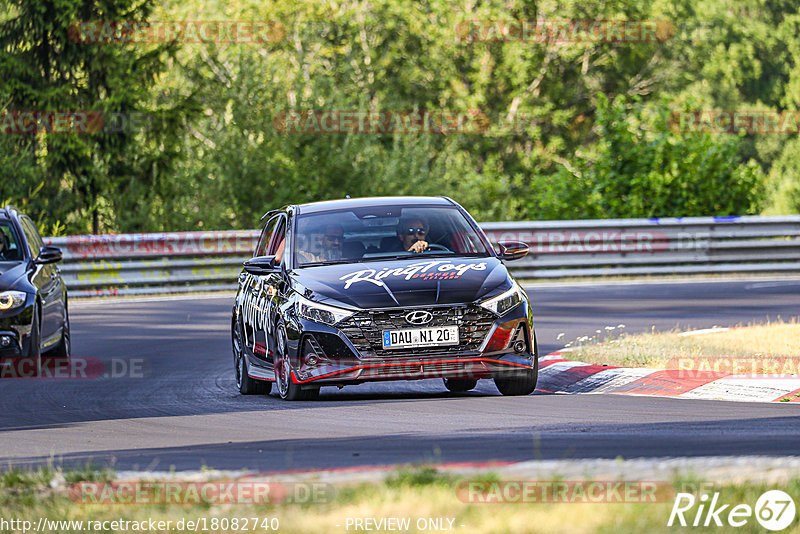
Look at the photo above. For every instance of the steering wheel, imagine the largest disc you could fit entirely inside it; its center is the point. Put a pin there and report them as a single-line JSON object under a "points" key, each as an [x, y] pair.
{"points": [[437, 246]]}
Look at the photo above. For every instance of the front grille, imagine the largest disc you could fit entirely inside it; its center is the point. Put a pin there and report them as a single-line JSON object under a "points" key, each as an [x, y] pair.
{"points": [[365, 329]]}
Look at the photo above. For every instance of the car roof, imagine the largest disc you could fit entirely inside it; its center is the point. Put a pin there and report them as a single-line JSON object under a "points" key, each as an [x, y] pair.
{"points": [[9, 212], [344, 203]]}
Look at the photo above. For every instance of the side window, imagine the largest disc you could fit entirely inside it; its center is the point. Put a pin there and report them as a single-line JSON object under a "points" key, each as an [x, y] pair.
{"points": [[31, 236], [278, 241], [277, 236], [266, 236], [10, 249]]}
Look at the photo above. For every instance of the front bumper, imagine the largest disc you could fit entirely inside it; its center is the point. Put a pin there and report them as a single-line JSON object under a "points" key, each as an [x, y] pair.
{"points": [[465, 367], [331, 356], [16, 325]]}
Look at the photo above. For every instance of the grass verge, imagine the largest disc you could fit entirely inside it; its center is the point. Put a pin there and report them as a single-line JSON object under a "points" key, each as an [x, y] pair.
{"points": [[765, 348], [428, 498]]}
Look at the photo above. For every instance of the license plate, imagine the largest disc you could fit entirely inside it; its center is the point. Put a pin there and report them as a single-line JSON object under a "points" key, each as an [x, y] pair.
{"points": [[420, 337]]}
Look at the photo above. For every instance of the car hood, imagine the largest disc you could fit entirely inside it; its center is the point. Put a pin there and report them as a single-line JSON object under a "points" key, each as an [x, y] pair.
{"points": [[400, 283], [10, 273]]}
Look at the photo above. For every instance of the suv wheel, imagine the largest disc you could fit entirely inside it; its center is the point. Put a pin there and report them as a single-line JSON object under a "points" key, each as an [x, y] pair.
{"points": [[63, 350]]}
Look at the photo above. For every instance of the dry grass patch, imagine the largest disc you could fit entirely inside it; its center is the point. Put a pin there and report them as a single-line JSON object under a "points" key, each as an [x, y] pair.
{"points": [[768, 348]]}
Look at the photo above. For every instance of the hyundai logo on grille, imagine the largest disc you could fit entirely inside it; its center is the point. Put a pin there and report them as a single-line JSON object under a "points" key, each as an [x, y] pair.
{"points": [[419, 317]]}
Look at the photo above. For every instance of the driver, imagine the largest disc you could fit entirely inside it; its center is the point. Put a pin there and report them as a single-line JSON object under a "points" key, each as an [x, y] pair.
{"points": [[3, 247], [330, 246], [411, 233]]}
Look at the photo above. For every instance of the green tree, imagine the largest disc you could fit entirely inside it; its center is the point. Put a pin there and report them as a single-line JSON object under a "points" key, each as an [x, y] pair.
{"points": [[90, 181], [553, 148], [641, 168]]}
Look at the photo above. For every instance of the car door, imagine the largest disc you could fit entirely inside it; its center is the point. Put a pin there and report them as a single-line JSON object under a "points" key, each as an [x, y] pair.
{"points": [[47, 279], [257, 291], [274, 285]]}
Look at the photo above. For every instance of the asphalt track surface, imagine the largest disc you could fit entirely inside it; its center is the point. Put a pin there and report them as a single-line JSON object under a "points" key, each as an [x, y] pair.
{"points": [[178, 408]]}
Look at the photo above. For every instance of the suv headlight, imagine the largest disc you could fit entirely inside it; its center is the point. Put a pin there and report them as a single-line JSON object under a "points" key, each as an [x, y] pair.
{"points": [[12, 299], [321, 313], [505, 301]]}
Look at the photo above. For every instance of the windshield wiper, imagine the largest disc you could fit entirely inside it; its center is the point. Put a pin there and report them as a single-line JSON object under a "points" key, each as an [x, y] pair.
{"points": [[329, 262], [422, 255], [388, 257], [467, 254]]}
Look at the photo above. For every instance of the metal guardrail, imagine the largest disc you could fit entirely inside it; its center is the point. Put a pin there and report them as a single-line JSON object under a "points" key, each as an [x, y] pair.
{"points": [[140, 264], [122, 264]]}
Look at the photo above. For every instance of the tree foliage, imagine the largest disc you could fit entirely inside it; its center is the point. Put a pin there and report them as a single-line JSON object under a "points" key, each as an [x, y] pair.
{"points": [[577, 128], [88, 180], [641, 168]]}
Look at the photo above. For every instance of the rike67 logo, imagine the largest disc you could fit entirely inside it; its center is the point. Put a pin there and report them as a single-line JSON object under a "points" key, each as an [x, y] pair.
{"points": [[774, 510]]}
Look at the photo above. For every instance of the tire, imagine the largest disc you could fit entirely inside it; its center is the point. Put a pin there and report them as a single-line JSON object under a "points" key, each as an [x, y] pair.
{"points": [[63, 350], [288, 389], [244, 383], [35, 342], [522, 384], [460, 385]]}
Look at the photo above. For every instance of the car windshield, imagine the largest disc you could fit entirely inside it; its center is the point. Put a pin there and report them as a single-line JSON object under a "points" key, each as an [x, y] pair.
{"points": [[9, 244], [380, 232]]}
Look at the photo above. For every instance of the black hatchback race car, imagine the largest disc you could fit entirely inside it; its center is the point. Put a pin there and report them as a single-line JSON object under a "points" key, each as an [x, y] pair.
{"points": [[397, 288]]}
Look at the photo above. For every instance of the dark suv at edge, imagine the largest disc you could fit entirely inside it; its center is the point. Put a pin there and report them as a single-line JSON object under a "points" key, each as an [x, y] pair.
{"points": [[33, 298]]}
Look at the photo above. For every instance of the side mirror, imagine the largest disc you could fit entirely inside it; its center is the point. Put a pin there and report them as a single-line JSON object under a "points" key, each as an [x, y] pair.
{"points": [[261, 265], [48, 254], [512, 250]]}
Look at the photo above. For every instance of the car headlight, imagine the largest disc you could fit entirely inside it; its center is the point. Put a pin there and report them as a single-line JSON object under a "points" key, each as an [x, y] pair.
{"points": [[505, 301], [12, 299], [321, 313]]}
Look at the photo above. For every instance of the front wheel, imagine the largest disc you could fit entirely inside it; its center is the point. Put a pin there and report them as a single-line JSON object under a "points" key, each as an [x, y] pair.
{"points": [[520, 384], [34, 343], [288, 389], [63, 350]]}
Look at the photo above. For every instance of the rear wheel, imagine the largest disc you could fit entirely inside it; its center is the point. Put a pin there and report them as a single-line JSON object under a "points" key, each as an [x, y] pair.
{"points": [[244, 383], [459, 385], [288, 389]]}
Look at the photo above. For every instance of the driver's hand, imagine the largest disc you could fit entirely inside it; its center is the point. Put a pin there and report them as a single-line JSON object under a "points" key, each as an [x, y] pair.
{"points": [[419, 246]]}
